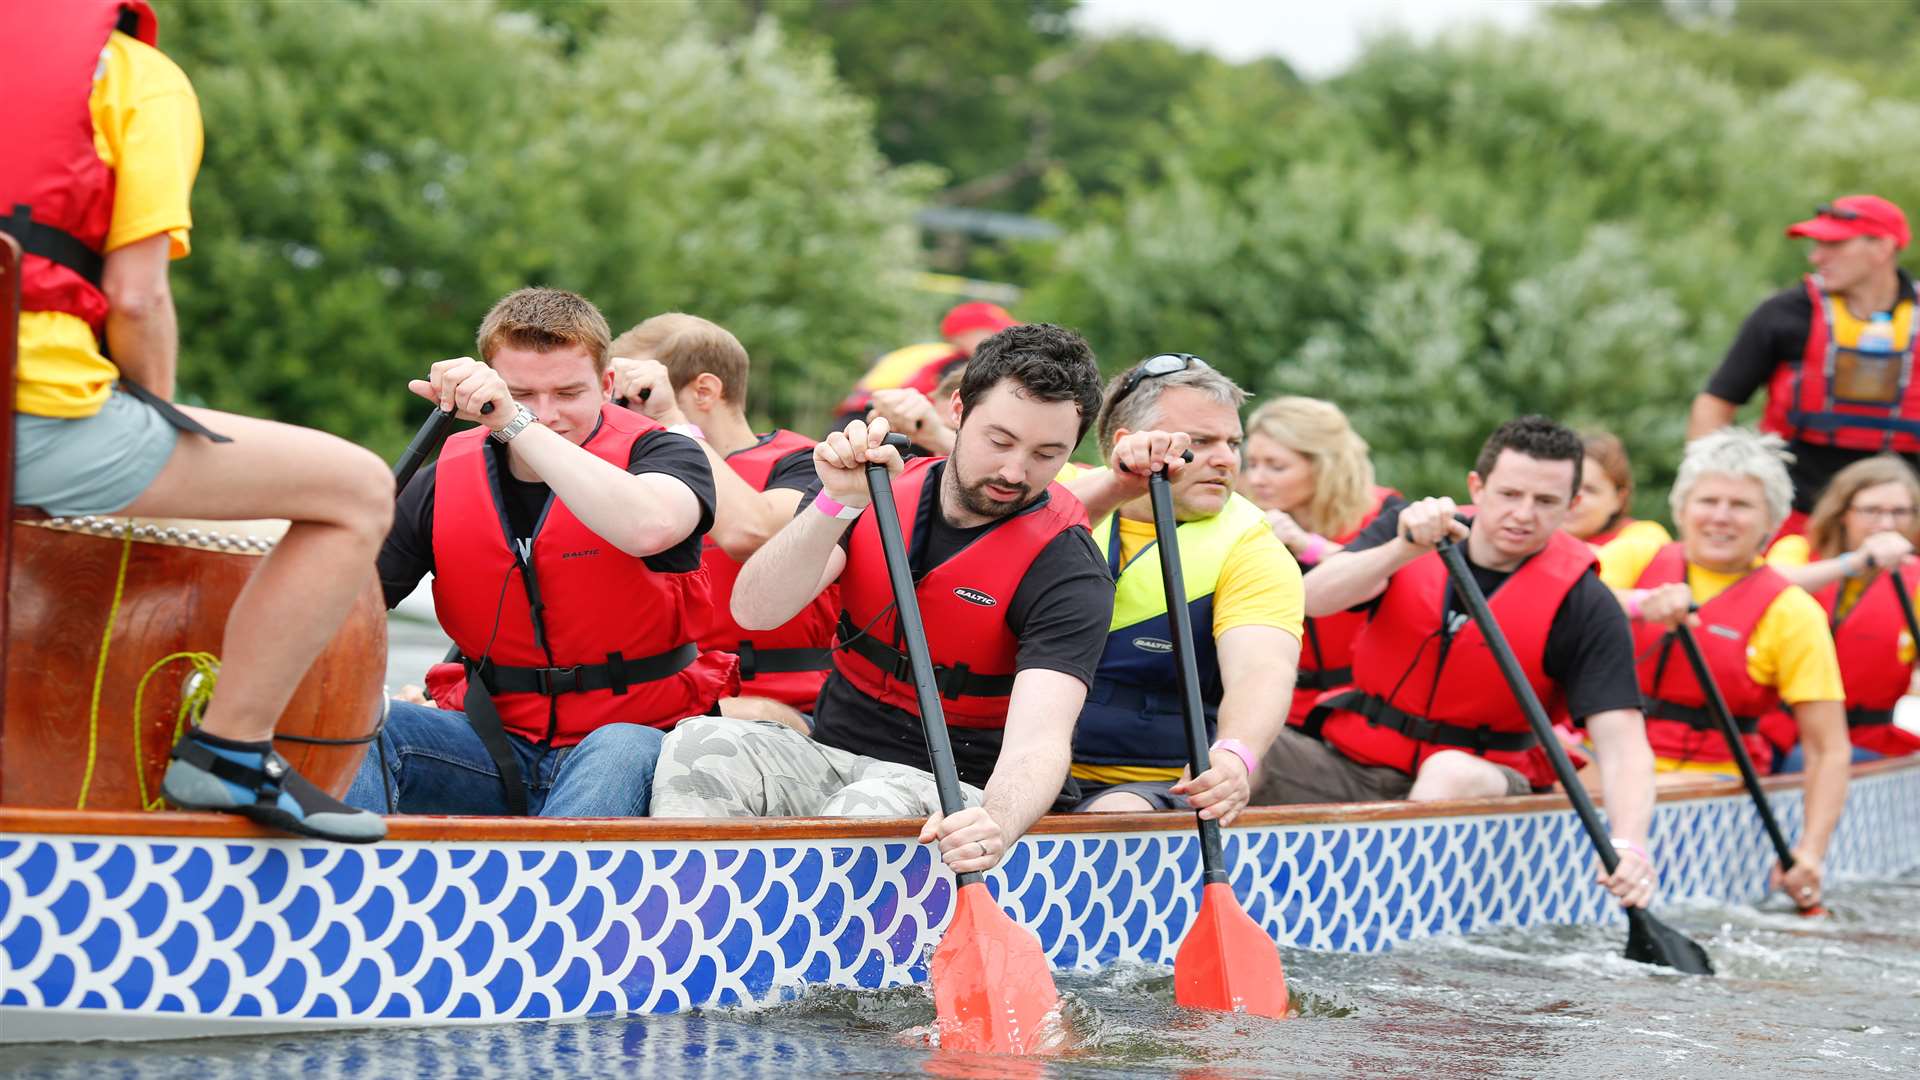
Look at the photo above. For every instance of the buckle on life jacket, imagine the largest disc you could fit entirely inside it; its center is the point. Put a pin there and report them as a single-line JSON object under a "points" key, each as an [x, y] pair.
{"points": [[553, 681]]}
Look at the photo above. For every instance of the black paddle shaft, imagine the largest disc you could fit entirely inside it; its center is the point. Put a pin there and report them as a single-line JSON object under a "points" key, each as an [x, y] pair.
{"points": [[426, 442], [1475, 601], [1723, 719], [1180, 623], [906, 605], [1899, 588]]}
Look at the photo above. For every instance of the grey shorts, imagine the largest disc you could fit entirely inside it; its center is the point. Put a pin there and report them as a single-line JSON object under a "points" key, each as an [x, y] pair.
{"points": [[1299, 768], [96, 464], [1158, 793]]}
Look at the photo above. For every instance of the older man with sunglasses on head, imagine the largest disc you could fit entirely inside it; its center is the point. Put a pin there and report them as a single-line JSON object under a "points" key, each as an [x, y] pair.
{"points": [[1835, 353], [1243, 593]]}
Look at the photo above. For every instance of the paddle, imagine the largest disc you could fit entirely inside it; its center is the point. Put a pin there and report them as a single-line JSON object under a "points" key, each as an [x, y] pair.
{"points": [[1649, 941], [425, 442], [1227, 962], [1906, 605], [992, 986], [1723, 719]]}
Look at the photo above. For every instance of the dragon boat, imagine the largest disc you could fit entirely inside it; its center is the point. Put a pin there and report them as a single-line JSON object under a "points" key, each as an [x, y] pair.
{"points": [[122, 924]]}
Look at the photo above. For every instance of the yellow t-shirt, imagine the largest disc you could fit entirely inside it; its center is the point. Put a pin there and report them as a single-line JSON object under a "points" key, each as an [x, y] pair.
{"points": [[1791, 648], [146, 127], [1259, 586]]}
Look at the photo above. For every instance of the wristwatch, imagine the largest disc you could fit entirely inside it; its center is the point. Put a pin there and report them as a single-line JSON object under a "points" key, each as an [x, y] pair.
{"points": [[520, 422]]}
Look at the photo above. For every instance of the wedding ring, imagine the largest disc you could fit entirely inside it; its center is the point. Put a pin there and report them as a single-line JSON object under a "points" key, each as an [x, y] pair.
{"points": [[1806, 892], [1646, 881], [982, 845]]}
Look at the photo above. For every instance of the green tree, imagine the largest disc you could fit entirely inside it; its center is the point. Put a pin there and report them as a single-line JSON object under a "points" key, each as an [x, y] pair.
{"points": [[378, 174]]}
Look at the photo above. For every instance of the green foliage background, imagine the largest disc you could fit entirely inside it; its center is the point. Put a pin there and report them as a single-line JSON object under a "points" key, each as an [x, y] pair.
{"points": [[1569, 220]]}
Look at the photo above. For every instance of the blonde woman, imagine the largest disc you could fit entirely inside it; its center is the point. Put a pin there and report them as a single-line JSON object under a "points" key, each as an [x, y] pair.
{"points": [[1606, 495], [1862, 529], [1308, 469]]}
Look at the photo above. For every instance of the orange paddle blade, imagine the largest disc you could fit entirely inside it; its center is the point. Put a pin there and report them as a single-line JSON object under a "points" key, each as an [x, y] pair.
{"points": [[992, 987], [1227, 962]]}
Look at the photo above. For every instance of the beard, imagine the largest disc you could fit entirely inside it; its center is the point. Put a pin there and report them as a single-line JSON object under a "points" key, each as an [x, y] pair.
{"points": [[973, 494]]}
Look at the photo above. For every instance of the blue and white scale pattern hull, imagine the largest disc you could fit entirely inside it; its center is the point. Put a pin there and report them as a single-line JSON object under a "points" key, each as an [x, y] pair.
{"points": [[124, 936]]}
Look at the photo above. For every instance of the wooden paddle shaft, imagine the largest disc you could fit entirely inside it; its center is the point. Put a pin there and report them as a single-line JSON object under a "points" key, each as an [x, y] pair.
{"points": [[1723, 719], [1475, 601], [933, 718], [1180, 624]]}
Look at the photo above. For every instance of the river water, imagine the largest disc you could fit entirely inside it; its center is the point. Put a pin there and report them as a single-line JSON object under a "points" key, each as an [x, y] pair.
{"points": [[1832, 996]]}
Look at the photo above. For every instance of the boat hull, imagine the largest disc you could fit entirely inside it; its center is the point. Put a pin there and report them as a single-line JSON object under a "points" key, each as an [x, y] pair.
{"points": [[131, 926]]}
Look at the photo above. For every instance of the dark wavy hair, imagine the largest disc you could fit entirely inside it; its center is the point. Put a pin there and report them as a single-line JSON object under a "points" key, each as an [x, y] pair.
{"points": [[1050, 363], [1537, 437]]}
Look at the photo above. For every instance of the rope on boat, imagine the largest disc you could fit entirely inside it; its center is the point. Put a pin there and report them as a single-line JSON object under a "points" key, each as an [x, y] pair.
{"points": [[193, 700]]}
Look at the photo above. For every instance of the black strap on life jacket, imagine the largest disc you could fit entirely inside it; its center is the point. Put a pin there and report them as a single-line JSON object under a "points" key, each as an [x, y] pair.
{"points": [[755, 662], [954, 682], [617, 674], [1478, 740], [1323, 680], [1699, 719], [54, 244], [1869, 717], [485, 721]]}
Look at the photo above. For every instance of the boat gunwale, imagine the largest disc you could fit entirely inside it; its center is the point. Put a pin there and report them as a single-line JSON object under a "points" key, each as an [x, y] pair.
{"points": [[410, 827]]}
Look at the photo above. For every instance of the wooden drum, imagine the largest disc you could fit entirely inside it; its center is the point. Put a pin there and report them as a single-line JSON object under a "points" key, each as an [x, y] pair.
{"points": [[180, 579]]}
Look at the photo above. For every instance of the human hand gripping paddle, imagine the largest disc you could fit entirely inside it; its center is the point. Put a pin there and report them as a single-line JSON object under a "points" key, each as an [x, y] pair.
{"points": [[1649, 941], [992, 986], [1227, 962], [1723, 719]]}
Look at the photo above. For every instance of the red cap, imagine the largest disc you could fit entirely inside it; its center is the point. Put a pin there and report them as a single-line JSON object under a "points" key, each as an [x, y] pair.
{"points": [[976, 315], [1855, 215]]}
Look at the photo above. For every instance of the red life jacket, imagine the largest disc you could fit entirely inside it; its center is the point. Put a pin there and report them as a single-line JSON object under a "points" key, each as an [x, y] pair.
{"points": [[56, 195], [1868, 639], [1807, 402], [598, 606], [789, 662], [1326, 646], [1417, 692], [1678, 726], [963, 603]]}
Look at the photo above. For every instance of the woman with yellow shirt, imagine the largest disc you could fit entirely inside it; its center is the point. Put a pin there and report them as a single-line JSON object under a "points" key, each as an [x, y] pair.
{"points": [[1601, 514], [1765, 639], [1861, 529]]}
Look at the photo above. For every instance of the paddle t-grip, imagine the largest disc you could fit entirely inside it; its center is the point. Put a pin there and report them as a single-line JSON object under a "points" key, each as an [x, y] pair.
{"points": [[1180, 627], [933, 718], [646, 392]]}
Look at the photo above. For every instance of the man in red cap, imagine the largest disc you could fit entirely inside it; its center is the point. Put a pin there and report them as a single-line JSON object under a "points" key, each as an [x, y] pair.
{"points": [[919, 368], [1835, 352]]}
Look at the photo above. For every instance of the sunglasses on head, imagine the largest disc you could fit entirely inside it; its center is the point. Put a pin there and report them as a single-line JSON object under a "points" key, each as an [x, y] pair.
{"points": [[1838, 213], [1154, 367]]}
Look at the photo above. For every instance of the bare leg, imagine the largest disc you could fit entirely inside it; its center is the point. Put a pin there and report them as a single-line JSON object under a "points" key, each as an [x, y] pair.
{"points": [[1119, 802], [339, 498], [1451, 774]]}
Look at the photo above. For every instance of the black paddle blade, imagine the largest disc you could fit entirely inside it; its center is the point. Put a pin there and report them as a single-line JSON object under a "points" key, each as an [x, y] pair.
{"points": [[1650, 941]]}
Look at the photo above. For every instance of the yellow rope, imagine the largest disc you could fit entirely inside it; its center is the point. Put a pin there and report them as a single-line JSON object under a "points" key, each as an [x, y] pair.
{"points": [[100, 669], [192, 703]]}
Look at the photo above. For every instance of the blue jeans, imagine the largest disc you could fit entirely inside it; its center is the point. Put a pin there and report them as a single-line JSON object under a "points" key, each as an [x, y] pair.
{"points": [[1795, 761], [439, 766]]}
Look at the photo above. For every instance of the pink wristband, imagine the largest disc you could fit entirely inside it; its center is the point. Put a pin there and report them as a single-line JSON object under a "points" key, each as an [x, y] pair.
{"points": [[1621, 843], [1315, 548], [1237, 749], [835, 509], [1633, 603]]}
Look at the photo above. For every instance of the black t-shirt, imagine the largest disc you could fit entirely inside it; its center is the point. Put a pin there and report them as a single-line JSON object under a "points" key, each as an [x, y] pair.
{"points": [[407, 555], [1775, 333], [1589, 646], [1060, 613]]}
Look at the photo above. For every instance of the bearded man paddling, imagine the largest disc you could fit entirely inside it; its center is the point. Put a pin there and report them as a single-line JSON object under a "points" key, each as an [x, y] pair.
{"points": [[1016, 601]]}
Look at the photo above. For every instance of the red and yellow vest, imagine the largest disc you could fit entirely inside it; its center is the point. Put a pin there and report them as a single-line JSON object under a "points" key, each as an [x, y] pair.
{"points": [[1837, 396], [1678, 726]]}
